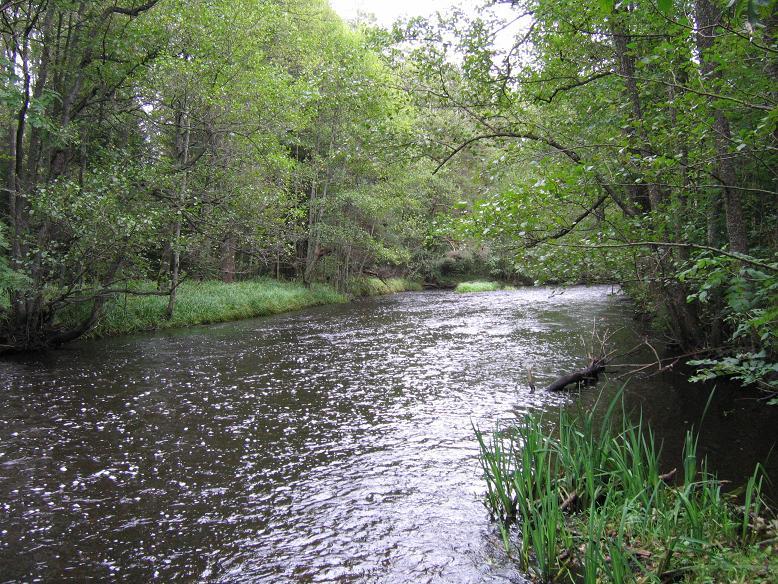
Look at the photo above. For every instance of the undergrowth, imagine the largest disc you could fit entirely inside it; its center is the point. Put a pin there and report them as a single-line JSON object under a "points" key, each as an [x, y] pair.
{"points": [[589, 503]]}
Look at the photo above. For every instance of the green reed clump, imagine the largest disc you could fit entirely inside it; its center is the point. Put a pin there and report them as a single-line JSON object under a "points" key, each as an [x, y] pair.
{"points": [[204, 303], [592, 504]]}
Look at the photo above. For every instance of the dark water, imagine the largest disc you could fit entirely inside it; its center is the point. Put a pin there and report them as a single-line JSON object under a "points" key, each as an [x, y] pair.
{"points": [[333, 444]]}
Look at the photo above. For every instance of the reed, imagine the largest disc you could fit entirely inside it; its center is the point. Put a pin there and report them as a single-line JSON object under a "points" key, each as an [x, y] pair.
{"points": [[592, 504]]}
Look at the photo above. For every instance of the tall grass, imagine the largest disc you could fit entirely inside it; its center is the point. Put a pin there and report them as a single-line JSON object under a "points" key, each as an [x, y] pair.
{"points": [[481, 286], [592, 504], [370, 286], [204, 303]]}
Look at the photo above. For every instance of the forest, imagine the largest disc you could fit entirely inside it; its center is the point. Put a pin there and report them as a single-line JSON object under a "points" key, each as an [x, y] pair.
{"points": [[148, 144]]}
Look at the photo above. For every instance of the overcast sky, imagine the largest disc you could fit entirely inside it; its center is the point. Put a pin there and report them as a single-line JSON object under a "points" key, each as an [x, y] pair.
{"points": [[387, 11]]}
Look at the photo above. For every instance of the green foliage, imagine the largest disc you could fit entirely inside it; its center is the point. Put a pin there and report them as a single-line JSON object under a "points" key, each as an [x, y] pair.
{"points": [[746, 299], [10, 280], [606, 130], [633, 524], [199, 139]]}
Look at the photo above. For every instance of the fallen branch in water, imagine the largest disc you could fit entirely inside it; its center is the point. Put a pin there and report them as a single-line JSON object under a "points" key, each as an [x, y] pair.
{"points": [[587, 376], [599, 355]]}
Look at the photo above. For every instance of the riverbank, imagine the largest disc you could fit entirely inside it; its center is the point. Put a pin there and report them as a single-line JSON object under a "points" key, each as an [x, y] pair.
{"points": [[209, 302], [594, 502]]}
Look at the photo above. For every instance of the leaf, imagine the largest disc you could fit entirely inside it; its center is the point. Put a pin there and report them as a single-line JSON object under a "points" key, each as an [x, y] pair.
{"points": [[665, 6], [606, 6]]}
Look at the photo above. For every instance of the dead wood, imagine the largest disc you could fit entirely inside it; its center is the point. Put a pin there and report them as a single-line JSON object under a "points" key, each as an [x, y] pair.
{"points": [[586, 376]]}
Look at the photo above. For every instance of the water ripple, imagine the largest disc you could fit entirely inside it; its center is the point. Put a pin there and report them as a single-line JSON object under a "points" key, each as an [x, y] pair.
{"points": [[332, 445]]}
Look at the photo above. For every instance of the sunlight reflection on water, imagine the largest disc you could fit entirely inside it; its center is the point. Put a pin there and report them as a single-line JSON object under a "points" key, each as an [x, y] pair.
{"points": [[334, 444]]}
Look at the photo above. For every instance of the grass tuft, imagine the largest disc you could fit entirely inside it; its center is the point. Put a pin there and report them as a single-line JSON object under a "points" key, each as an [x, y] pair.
{"points": [[370, 286], [481, 286]]}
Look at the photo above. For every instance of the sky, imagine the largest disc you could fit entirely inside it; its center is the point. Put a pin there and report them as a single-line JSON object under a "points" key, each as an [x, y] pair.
{"points": [[387, 12]]}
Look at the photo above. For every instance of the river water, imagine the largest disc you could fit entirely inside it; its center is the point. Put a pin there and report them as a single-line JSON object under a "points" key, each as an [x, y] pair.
{"points": [[334, 444]]}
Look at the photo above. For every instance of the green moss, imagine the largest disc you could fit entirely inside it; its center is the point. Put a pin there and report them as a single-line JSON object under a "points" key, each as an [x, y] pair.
{"points": [[481, 286], [204, 303]]}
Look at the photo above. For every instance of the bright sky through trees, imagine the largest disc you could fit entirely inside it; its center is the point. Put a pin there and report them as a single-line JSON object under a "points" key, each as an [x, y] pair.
{"points": [[387, 12]]}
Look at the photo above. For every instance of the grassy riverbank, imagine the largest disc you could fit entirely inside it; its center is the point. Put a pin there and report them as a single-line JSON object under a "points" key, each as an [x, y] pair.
{"points": [[210, 302], [592, 504], [482, 286]]}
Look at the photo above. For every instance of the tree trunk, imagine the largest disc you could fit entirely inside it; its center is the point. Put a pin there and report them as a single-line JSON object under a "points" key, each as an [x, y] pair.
{"points": [[228, 259], [707, 15], [175, 263], [312, 240], [626, 61]]}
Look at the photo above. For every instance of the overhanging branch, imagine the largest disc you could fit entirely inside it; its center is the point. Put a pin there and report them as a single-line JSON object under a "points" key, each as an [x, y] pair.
{"points": [[131, 12], [565, 230], [730, 254], [569, 152]]}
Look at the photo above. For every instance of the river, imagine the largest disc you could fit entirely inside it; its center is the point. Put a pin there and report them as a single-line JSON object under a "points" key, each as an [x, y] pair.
{"points": [[330, 445]]}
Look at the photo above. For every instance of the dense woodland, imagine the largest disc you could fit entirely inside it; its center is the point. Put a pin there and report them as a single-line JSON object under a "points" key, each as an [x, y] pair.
{"points": [[170, 140]]}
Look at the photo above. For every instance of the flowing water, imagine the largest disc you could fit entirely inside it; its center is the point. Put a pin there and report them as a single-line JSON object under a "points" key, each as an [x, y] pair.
{"points": [[334, 444]]}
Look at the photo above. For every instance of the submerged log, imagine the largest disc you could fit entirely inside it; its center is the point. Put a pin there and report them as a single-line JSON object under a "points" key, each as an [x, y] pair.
{"points": [[588, 375]]}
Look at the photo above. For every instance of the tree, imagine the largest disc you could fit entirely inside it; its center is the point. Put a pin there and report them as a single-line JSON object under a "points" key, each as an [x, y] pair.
{"points": [[67, 68], [609, 125]]}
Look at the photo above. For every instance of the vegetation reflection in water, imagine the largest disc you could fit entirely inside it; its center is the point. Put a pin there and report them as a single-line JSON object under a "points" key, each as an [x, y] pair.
{"points": [[592, 503]]}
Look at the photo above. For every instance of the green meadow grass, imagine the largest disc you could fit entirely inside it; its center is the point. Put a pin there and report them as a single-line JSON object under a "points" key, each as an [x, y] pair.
{"points": [[212, 301], [588, 503], [481, 286], [204, 303], [370, 286]]}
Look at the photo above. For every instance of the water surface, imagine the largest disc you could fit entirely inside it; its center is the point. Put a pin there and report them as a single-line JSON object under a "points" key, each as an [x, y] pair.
{"points": [[330, 445]]}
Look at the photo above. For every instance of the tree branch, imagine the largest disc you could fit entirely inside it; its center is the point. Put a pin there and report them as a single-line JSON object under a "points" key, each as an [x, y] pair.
{"points": [[565, 230], [132, 12], [570, 153], [577, 83], [734, 255]]}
